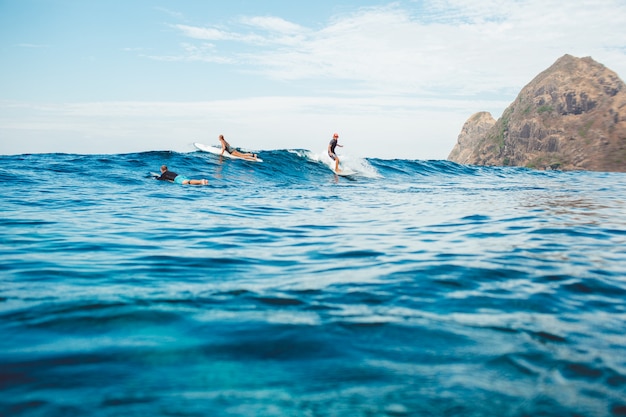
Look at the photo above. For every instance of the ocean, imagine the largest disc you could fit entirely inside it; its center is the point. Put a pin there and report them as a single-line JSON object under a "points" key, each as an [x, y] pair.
{"points": [[413, 288]]}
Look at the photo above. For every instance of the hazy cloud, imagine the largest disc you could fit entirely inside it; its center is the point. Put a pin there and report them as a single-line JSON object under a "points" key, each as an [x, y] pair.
{"points": [[273, 24], [450, 47]]}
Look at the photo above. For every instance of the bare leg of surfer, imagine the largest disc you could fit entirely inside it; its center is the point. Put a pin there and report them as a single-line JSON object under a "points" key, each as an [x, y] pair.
{"points": [[250, 156], [337, 165], [197, 182]]}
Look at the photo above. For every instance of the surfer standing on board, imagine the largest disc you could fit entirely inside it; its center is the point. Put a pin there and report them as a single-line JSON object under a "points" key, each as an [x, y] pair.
{"points": [[170, 176], [331, 151], [233, 151]]}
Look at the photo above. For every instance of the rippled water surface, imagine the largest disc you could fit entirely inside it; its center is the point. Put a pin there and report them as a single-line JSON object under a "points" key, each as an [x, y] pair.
{"points": [[414, 288]]}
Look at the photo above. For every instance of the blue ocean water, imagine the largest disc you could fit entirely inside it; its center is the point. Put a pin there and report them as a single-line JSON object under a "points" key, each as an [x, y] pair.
{"points": [[414, 288]]}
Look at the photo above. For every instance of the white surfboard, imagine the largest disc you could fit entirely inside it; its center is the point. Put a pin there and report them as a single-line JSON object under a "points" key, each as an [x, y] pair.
{"points": [[345, 172], [217, 150]]}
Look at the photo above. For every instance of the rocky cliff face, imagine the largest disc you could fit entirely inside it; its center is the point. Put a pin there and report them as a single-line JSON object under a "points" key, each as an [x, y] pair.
{"points": [[474, 129], [572, 116]]}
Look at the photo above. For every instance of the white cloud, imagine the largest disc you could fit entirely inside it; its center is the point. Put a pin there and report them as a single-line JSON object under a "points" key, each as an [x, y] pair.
{"points": [[204, 52], [444, 47], [273, 31], [215, 34], [273, 24], [210, 34]]}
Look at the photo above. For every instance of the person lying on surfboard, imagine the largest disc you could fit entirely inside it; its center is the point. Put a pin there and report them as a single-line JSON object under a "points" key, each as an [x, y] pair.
{"points": [[331, 151], [170, 176], [234, 151]]}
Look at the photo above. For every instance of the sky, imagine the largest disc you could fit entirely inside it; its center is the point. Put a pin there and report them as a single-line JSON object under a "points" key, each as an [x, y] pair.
{"points": [[395, 79]]}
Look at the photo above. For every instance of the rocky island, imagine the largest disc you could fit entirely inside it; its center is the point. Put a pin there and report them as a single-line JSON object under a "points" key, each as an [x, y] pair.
{"points": [[571, 116]]}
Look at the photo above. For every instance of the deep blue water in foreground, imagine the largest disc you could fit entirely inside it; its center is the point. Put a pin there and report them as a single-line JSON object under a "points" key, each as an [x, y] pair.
{"points": [[416, 288]]}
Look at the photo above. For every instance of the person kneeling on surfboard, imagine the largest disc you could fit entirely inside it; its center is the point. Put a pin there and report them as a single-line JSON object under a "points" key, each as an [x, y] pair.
{"points": [[233, 151], [178, 179], [331, 151]]}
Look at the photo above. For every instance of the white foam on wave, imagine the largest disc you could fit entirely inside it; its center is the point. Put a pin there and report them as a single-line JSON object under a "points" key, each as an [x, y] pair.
{"points": [[347, 161]]}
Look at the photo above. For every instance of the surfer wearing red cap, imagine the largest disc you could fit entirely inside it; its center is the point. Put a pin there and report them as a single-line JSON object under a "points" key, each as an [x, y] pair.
{"points": [[331, 151]]}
